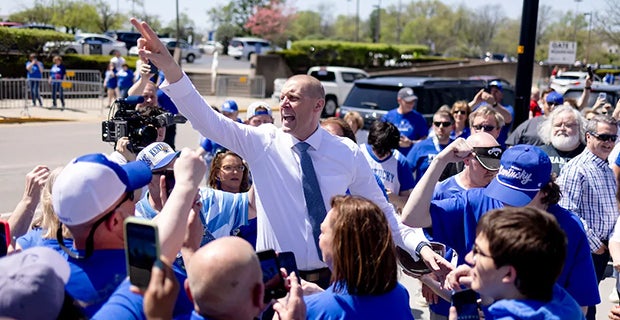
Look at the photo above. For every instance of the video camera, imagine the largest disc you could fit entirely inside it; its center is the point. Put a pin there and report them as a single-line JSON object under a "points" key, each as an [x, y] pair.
{"points": [[139, 127]]}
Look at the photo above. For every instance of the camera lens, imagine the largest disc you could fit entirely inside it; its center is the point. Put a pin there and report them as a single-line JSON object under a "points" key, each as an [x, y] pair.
{"points": [[146, 135]]}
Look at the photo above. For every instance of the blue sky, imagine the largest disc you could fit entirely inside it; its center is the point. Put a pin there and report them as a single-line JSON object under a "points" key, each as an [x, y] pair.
{"points": [[197, 9]]}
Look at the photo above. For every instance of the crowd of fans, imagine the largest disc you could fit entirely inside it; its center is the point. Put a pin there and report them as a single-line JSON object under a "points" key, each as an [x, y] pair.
{"points": [[530, 219]]}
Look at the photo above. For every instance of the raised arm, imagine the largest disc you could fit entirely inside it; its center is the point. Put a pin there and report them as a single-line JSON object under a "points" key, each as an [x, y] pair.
{"points": [[151, 48], [416, 212], [20, 219], [189, 169]]}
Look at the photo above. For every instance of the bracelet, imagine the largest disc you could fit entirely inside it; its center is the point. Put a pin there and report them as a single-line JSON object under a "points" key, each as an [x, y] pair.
{"points": [[588, 88], [420, 246]]}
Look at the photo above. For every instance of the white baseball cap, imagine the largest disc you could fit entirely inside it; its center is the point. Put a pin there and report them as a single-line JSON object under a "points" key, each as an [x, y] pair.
{"points": [[157, 155], [89, 185]]}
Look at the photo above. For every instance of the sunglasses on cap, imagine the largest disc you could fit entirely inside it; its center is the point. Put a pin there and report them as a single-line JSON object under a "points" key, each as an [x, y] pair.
{"points": [[604, 137], [439, 124], [485, 128]]}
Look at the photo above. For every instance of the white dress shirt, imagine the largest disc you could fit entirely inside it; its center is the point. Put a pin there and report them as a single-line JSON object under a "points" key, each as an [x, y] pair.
{"points": [[283, 223]]}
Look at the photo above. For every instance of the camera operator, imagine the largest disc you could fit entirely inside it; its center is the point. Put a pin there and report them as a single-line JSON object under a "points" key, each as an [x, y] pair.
{"points": [[153, 98]]}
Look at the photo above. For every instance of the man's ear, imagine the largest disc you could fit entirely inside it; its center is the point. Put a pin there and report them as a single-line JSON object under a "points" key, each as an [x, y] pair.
{"points": [[258, 296], [115, 221], [510, 275], [187, 291], [320, 103]]}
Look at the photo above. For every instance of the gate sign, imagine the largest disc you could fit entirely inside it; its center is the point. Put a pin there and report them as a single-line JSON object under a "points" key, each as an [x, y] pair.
{"points": [[562, 52]]}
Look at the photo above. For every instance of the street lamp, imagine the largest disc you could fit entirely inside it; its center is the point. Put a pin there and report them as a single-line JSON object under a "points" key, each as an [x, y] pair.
{"points": [[589, 32]]}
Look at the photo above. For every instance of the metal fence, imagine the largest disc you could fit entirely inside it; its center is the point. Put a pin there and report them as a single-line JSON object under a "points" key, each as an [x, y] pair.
{"points": [[82, 89], [241, 86]]}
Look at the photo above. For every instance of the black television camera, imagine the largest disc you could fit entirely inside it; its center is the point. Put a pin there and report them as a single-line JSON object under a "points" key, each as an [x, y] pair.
{"points": [[139, 127]]}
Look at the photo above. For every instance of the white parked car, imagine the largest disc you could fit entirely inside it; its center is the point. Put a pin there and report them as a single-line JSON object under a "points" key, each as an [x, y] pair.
{"points": [[337, 82], [90, 42], [569, 79], [188, 52], [245, 47], [210, 47]]}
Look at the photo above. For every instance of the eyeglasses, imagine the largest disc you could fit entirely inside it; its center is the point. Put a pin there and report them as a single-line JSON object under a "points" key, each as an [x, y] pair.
{"points": [[439, 124], [476, 251], [460, 112], [604, 137], [485, 128], [239, 168]]}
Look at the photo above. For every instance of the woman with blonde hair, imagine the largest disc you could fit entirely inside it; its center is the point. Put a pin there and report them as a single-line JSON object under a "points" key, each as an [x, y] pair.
{"points": [[460, 112], [44, 226], [357, 246]]}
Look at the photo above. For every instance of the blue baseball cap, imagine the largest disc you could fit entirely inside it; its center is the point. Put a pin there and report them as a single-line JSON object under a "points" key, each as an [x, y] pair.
{"points": [[554, 98], [229, 106], [524, 170], [497, 84], [90, 185]]}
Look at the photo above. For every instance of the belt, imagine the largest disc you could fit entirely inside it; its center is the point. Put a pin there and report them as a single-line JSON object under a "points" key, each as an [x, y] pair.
{"points": [[316, 274]]}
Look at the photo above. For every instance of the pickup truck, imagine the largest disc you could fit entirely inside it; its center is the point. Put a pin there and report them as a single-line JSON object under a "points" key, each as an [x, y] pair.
{"points": [[337, 82]]}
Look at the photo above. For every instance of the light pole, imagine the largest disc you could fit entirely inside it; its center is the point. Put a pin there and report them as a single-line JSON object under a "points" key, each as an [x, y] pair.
{"points": [[589, 32], [575, 20], [357, 22]]}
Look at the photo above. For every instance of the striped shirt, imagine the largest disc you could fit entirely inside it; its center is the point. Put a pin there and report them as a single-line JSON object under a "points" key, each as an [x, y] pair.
{"points": [[588, 189]]}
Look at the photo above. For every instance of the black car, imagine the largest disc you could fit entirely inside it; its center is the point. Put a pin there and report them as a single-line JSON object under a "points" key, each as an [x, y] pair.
{"points": [[374, 97], [129, 38]]}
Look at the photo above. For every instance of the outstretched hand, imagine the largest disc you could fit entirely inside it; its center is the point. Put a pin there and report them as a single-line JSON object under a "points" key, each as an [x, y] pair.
{"points": [[150, 48]]}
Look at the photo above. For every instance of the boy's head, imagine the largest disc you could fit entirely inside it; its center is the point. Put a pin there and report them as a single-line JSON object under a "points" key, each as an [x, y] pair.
{"points": [[517, 251]]}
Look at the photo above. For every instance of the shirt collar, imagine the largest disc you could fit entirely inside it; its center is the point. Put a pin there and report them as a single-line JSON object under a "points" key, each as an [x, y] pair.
{"points": [[596, 159], [314, 140]]}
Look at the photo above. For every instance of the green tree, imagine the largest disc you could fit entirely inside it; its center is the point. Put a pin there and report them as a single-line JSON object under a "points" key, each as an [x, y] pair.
{"points": [[108, 19], [41, 12], [307, 24], [74, 15]]}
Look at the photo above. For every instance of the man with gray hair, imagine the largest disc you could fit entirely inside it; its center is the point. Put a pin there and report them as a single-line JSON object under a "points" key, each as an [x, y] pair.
{"points": [[562, 133], [588, 188]]}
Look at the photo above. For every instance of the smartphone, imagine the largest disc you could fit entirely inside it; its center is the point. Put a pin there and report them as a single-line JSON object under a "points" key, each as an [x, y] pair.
{"points": [[590, 73], [272, 278], [154, 69], [466, 303], [602, 95], [169, 175], [5, 238], [141, 249], [287, 261]]}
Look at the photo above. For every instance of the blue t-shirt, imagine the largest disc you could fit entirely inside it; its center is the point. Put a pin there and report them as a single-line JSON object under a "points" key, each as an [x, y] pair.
{"points": [[123, 304], [125, 78], [34, 238], [411, 125], [331, 305], [562, 306], [93, 280], [503, 134], [465, 134], [35, 71], [421, 155], [58, 72], [454, 223]]}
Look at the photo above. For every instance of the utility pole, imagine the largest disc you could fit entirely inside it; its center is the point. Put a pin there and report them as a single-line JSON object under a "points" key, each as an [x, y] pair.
{"points": [[525, 64], [357, 22], [589, 32], [378, 26]]}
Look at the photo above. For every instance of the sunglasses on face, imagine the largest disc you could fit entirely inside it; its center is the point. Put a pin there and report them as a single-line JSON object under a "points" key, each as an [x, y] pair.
{"points": [[604, 137], [460, 112], [440, 124], [485, 128]]}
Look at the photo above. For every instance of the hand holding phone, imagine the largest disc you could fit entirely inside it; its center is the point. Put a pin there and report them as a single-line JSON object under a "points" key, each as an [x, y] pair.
{"points": [[141, 249], [272, 277], [466, 303], [590, 73], [287, 261], [5, 238], [602, 95]]}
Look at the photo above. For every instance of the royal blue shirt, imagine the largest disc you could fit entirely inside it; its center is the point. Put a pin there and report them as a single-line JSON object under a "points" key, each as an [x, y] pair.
{"points": [[411, 125], [331, 305], [58, 72], [454, 223], [123, 304], [421, 155]]}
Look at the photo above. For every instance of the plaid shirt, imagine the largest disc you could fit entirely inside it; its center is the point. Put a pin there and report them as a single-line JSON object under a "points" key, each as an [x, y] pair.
{"points": [[588, 189]]}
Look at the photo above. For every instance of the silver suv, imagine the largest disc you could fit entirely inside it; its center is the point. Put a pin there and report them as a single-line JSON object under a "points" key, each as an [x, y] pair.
{"points": [[245, 47]]}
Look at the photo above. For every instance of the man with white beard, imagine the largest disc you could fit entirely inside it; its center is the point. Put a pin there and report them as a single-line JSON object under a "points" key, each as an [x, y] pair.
{"points": [[563, 135]]}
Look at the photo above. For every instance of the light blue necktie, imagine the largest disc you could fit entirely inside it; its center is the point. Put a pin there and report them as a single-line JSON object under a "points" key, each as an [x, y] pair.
{"points": [[312, 192]]}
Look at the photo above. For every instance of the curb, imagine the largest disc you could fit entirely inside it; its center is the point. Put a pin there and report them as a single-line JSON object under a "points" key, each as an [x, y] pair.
{"points": [[9, 120]]}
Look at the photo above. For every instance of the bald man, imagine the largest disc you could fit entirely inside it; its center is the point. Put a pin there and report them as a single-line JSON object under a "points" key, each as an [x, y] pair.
{"points": [[479, 169], [224, 280]]}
